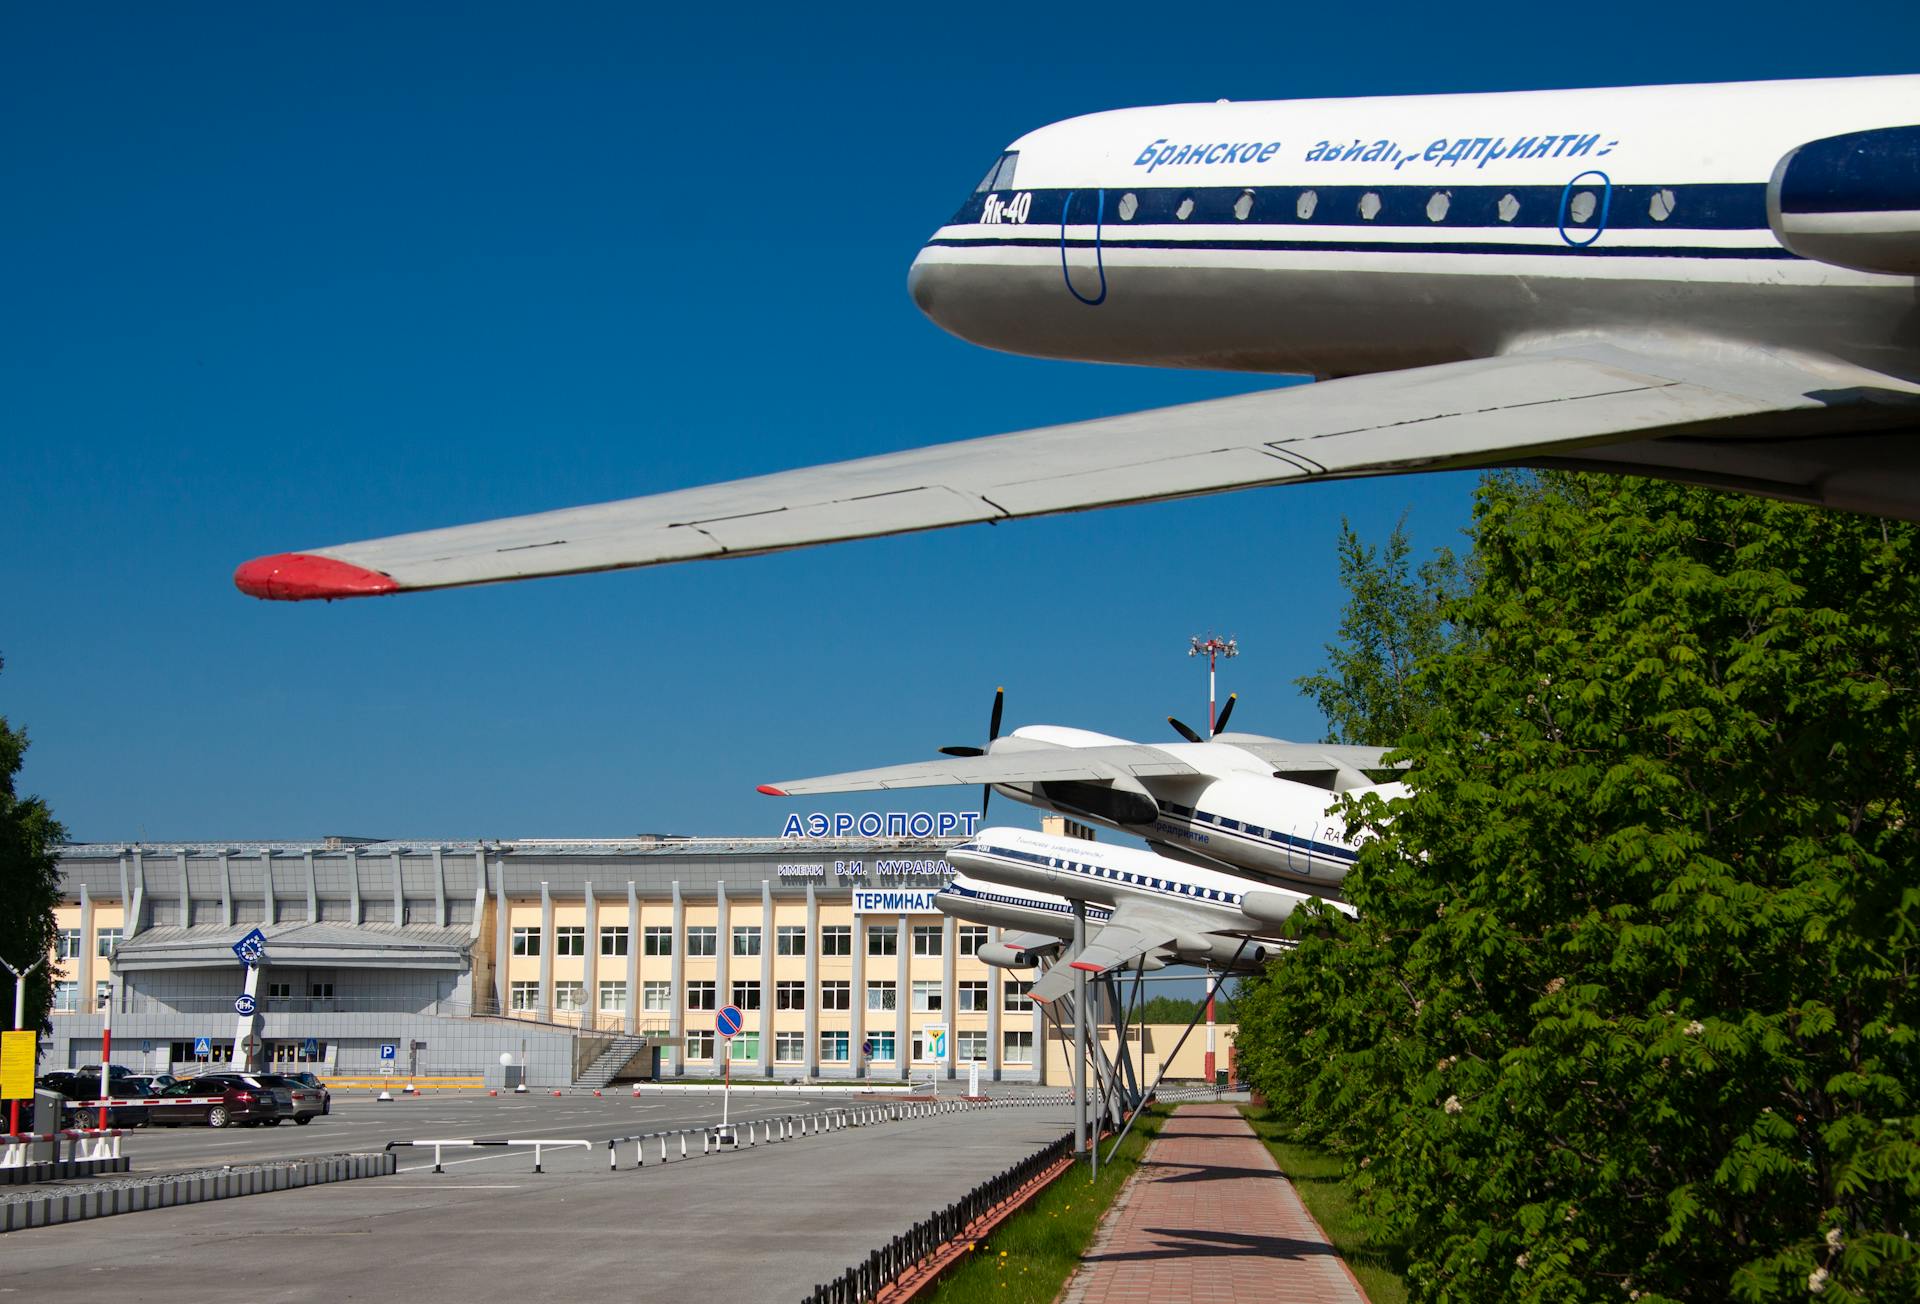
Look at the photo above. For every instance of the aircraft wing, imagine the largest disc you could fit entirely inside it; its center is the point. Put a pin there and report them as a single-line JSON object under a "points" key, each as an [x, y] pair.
{"points": [[1338, 766], [1807, 430], [1002, 765], [1131, 931]]}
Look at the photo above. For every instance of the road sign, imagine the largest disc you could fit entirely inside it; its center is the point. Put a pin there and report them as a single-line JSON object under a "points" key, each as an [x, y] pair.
{"points": [[729, 1021], [252, 948], [866, 1048], [19, 1051], [146, 1048], [936, 1037], [389, 1051], [311, 1048], [244, 1005], [202, 1047]]}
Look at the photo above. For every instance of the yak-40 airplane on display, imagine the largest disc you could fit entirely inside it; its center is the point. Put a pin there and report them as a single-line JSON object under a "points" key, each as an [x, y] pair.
{"points": [[1710, 283], [1141, 908], [1238, 802]]}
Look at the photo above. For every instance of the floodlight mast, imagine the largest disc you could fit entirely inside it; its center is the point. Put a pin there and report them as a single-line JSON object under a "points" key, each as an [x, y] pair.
{"points": [[1214, 649]]}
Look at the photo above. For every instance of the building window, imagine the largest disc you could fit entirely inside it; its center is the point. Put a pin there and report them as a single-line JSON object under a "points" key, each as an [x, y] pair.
{"points": [[105, 940], [973, 997], [613, 996], [882, 1043], [568, 998], [834, 1047], [746, 939], [927, 939], [971, 938], [789, 996], [700, 996], [790, 939], [1017, 1048], [883, 939], [526, 941], [928, 998], [700, 1045], [703, 941], [613, 939], [789, 1047], [1016, 996], [656, 996], [882, 996], [836, 996], [102, 992], [970, 1047], [746, 995], [656, 941], [570, 941], [744, 1047], [320, 991], [66, 944], [279, 991], [524, 996], [836, 939]]}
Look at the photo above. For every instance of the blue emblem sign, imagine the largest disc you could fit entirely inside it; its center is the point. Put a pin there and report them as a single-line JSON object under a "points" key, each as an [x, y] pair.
{"points": [[252, 948], [244, 1005], [728, 1022], [202, 1047]]}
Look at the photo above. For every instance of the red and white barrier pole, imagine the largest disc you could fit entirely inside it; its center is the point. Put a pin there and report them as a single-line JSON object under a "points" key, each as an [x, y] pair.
{"points": [[106, 1051]]}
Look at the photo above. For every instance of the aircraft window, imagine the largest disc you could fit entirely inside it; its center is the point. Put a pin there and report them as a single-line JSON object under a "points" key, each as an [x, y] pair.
{"points": [[1243, 206], [1129, 205], [1581, 209], [1185, 210], [1509, 208], [1661, 207], [1369, 206], [1438, 205], [1308, 201], [1226, 823], [1256, 830], [1000, 175]]}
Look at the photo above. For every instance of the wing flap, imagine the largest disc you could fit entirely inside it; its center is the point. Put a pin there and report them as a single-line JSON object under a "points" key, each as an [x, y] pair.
{"points": [[1037, 765], [1131, 931]]}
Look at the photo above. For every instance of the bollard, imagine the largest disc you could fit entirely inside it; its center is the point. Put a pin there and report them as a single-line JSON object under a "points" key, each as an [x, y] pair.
{"points": [[384, 1095], [493, 1093]]}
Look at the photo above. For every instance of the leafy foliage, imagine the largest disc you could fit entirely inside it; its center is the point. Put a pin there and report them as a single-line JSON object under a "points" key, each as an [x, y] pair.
{"points": [[1629, 1012], [29, 882]]}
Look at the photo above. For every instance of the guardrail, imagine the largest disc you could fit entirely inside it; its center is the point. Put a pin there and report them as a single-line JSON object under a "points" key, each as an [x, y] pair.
{"points": [[469, 1144], [81, 1142], [940, 1229]]}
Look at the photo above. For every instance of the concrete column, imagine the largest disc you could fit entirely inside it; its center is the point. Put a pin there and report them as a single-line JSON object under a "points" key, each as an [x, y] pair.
{"points": [[857, 1025], [996, 993], [502, 940], [766, 978], [132, 924], [590, 968], [812, 1034], [949, 998], [226, 889], [439, 885], [399, 893], [677, 1013], [1039, 1017], [270, 908], [186, 892], [546, 952], [353, 890], [722, 954], [87, 947], [313, 896], [136, 910], [633, 958], [903, 1002]]}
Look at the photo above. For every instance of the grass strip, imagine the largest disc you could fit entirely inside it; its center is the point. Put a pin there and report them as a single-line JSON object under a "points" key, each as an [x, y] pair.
{"points": [[1028, 1258], [1315, 1174]]}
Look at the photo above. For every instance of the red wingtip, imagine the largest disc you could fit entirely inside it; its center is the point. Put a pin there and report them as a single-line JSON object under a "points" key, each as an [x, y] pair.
{"points": [[296, 576], [1090, 968], [772, 791]]}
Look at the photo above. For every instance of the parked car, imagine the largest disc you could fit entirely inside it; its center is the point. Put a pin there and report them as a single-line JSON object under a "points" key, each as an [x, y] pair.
{"points": [[221, 1100], [147, 1084], [308, 1102], [79, 1089]]}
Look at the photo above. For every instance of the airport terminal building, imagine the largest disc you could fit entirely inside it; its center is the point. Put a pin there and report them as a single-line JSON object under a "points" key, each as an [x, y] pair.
{"points": [[578, 961]]}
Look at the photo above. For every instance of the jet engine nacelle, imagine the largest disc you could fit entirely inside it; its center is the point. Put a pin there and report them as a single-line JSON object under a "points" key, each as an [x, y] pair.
{"points": [[1002, 956], [1219, 951], [1124, 800], [1852, 200]]}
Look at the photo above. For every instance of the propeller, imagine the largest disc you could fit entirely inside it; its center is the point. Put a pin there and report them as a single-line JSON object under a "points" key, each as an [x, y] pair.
{"points": [[993, 732], [1193, 736]]}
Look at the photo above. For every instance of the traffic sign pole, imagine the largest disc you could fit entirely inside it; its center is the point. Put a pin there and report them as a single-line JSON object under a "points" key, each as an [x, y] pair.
{"points": [[19, 1022]]}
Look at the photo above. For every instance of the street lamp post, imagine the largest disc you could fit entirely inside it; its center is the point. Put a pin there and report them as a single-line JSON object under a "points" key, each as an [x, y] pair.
{"points": [[1213, 648]]}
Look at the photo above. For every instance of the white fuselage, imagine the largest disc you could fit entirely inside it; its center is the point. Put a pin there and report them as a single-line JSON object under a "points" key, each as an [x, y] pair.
{"points": [[1335, 237]]}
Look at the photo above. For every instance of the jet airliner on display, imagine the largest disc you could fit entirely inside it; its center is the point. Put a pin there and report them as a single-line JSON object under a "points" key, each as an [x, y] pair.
{"points": [[1238, 802], [1711, 283], [1140, 906]]}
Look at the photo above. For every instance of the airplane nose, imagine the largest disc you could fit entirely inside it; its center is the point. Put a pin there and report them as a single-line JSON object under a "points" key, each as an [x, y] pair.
{"points": [[920, 284]]}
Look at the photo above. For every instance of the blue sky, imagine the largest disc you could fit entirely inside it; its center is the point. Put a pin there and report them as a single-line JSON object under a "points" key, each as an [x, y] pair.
{"points": [[279, 276]]}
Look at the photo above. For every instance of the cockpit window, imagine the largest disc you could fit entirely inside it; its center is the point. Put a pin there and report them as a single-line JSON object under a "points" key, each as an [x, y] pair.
{"points": [[1000, 175]]}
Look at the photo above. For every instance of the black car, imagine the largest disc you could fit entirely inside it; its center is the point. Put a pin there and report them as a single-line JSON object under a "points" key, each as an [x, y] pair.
{"points": [[76, 1111], [221, 1100]]}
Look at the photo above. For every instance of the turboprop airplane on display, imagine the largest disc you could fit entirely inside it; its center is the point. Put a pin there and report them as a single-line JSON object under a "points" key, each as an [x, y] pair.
{"points": [[1239, 802], [1140, 907], [1711, 283]]}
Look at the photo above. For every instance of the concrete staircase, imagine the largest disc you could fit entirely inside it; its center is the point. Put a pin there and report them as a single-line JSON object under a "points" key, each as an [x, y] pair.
{"points": [[612, 1062]]}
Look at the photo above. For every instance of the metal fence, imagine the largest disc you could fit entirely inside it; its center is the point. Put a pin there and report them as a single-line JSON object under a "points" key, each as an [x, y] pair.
{"points": [[863, 1281]]}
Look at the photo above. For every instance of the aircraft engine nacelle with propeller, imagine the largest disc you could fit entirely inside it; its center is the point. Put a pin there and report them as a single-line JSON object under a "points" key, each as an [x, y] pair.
{"points": [[1238, 802]]}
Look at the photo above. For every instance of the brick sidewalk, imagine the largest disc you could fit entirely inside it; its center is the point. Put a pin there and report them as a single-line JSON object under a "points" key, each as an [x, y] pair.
{"points": [[1208, 1216]]}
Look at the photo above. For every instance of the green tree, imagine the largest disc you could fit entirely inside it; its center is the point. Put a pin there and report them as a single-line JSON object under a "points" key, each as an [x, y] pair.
{"points": [[1395, 620], [1629, 1011], [29, 882]]}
